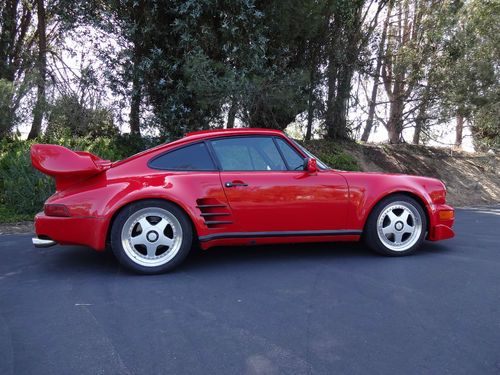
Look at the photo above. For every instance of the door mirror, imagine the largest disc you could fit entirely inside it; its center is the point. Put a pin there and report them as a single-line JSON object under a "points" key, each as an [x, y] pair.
{"points": [[310, 165]]}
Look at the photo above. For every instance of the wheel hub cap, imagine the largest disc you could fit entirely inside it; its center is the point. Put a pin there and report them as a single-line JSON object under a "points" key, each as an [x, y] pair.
{"points": [[399, 225], [152, 236]]}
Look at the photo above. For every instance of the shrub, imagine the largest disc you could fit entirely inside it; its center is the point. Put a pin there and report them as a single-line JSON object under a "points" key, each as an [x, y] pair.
{"points": [[333, 154], [23, 189], [68, 116]]}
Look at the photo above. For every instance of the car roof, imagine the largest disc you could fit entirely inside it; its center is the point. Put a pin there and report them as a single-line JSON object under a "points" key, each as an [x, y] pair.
{"points": [[229, 132], [204, 134]]}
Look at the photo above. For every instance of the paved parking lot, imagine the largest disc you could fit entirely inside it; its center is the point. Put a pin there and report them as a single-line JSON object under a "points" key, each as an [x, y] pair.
{"points": [[319, 309]]}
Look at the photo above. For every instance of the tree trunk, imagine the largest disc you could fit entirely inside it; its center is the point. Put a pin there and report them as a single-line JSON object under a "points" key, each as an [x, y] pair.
{"points": [[136, 99], [395, 123], [39, 110], [338, 130], [373, 99], [135, 107], [344, 37], [231, 116], [310, 112], [332, 83], [459, 131], [137, 54], [419, 123], [310, 102], [422, 116]]}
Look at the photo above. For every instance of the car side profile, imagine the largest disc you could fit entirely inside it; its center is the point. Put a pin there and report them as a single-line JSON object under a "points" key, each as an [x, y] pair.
{"points": [[229, 187]]}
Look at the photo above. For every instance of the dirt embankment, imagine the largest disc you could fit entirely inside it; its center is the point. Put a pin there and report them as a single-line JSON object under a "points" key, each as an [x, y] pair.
{"points": [[471, 178]]}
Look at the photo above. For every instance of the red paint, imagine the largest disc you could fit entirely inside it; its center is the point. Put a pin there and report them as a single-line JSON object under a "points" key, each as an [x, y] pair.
{"points": [[94, 190], [66, 166]]}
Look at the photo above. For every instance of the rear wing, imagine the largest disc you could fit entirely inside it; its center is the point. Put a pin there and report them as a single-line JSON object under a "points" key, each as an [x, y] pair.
{"points": [[66, 166]]}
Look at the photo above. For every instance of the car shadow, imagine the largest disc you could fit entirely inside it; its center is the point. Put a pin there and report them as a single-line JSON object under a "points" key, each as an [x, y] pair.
{"points": [[224, 256], [80, 259], [86, 260], [292, 253]]}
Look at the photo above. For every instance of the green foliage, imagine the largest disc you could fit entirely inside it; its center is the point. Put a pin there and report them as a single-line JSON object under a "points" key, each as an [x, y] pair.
{"points": [[6, 112], [341, 160], [191, 60], [23, 189], [10, 216], [69, 117], [333, 154], [185, 65], [486, 129], [469, 70]]}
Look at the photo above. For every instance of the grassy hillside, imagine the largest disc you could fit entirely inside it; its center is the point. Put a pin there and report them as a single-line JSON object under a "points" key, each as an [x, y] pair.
{"points": [[471, 178]]}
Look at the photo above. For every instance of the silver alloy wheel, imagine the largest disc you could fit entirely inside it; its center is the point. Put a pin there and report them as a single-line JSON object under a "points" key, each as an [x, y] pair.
{"points": [[151, 236], [399, 226]]}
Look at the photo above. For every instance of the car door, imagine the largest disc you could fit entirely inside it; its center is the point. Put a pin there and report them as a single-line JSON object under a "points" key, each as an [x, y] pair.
{"points": [[268, 193]]}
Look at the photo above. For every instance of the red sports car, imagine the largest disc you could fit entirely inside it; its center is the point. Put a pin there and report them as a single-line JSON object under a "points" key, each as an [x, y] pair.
{"points": [[229, 187]]}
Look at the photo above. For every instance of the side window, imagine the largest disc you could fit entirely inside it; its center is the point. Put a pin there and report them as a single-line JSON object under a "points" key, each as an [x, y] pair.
{"points": [[190, 158], [248, 154], [292, 157]]}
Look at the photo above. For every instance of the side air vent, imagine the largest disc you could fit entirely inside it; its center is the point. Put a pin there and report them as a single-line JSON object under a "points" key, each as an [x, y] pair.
{"points": [[214, 212]]}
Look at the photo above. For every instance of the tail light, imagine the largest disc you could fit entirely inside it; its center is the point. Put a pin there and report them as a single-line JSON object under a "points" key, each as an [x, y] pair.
{"points": [[56, 210]]}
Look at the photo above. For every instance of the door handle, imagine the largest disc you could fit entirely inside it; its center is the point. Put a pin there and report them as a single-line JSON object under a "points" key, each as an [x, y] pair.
{"points": [[234, 184]]}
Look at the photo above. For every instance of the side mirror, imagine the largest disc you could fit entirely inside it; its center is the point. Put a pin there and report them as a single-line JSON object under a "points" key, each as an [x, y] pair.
{"points": [[310, 165]]}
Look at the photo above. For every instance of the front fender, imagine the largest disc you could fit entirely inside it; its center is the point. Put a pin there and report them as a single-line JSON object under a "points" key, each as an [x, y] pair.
{"points": [[367, 189]]}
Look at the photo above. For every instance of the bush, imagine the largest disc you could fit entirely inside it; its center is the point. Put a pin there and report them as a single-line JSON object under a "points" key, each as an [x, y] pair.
{"points": [[332, 154], [486, 128], [23, 189], [69, 117]]}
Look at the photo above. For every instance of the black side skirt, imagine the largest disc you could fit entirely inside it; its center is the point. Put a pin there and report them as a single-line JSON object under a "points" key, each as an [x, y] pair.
{"points": [[313, 233]]}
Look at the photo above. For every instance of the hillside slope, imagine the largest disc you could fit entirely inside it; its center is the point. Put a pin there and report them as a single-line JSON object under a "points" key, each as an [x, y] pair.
{"points": [[471, 178]]}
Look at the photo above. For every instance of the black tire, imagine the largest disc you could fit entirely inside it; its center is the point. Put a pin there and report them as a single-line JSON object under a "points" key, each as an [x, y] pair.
{"points": [[371, 232], [138, 262]]}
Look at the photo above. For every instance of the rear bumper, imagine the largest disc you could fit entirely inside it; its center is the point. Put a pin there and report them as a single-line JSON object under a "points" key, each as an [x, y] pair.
{"points": [[86, 231], [441, 220]]}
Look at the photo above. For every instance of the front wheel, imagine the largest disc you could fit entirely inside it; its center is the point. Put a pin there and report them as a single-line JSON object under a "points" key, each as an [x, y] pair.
{"points": [[396, 226], [151, 236]]}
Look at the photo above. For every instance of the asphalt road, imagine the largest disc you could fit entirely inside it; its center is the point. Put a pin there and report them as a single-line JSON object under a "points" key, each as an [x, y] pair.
{"points": [[320, 309]]}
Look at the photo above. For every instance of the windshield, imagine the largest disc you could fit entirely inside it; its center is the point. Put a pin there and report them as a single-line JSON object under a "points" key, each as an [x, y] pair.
{"points": [[321, 165]]}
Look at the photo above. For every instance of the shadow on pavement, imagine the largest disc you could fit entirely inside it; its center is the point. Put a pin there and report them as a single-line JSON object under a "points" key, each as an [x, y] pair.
{"points": [[86, 260]]}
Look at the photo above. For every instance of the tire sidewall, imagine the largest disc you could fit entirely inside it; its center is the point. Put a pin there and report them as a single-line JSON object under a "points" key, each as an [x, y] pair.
{"points": [[371, 234], [124, 214]]}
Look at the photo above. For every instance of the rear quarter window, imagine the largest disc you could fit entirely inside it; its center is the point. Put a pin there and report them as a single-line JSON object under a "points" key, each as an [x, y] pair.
{"points": [[189, 158]]}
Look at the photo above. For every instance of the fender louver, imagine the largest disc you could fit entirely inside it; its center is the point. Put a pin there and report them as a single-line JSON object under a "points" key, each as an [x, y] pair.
{"points": [[213, 212]]}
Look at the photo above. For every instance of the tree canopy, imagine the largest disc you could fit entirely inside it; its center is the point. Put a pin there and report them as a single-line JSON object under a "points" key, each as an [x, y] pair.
{"points": [[339, 68]]}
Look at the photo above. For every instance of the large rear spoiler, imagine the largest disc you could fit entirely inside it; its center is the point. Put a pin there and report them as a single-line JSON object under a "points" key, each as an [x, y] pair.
{"points": [[65, 165]]}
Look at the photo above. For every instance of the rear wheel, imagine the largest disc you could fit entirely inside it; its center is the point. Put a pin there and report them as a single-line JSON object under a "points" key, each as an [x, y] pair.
{"points": [[151, 236], [396, 226]]}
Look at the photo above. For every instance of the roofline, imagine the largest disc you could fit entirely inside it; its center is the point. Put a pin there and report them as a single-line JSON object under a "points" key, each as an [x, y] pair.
{"points": [[201, 135], [233, 130]]}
